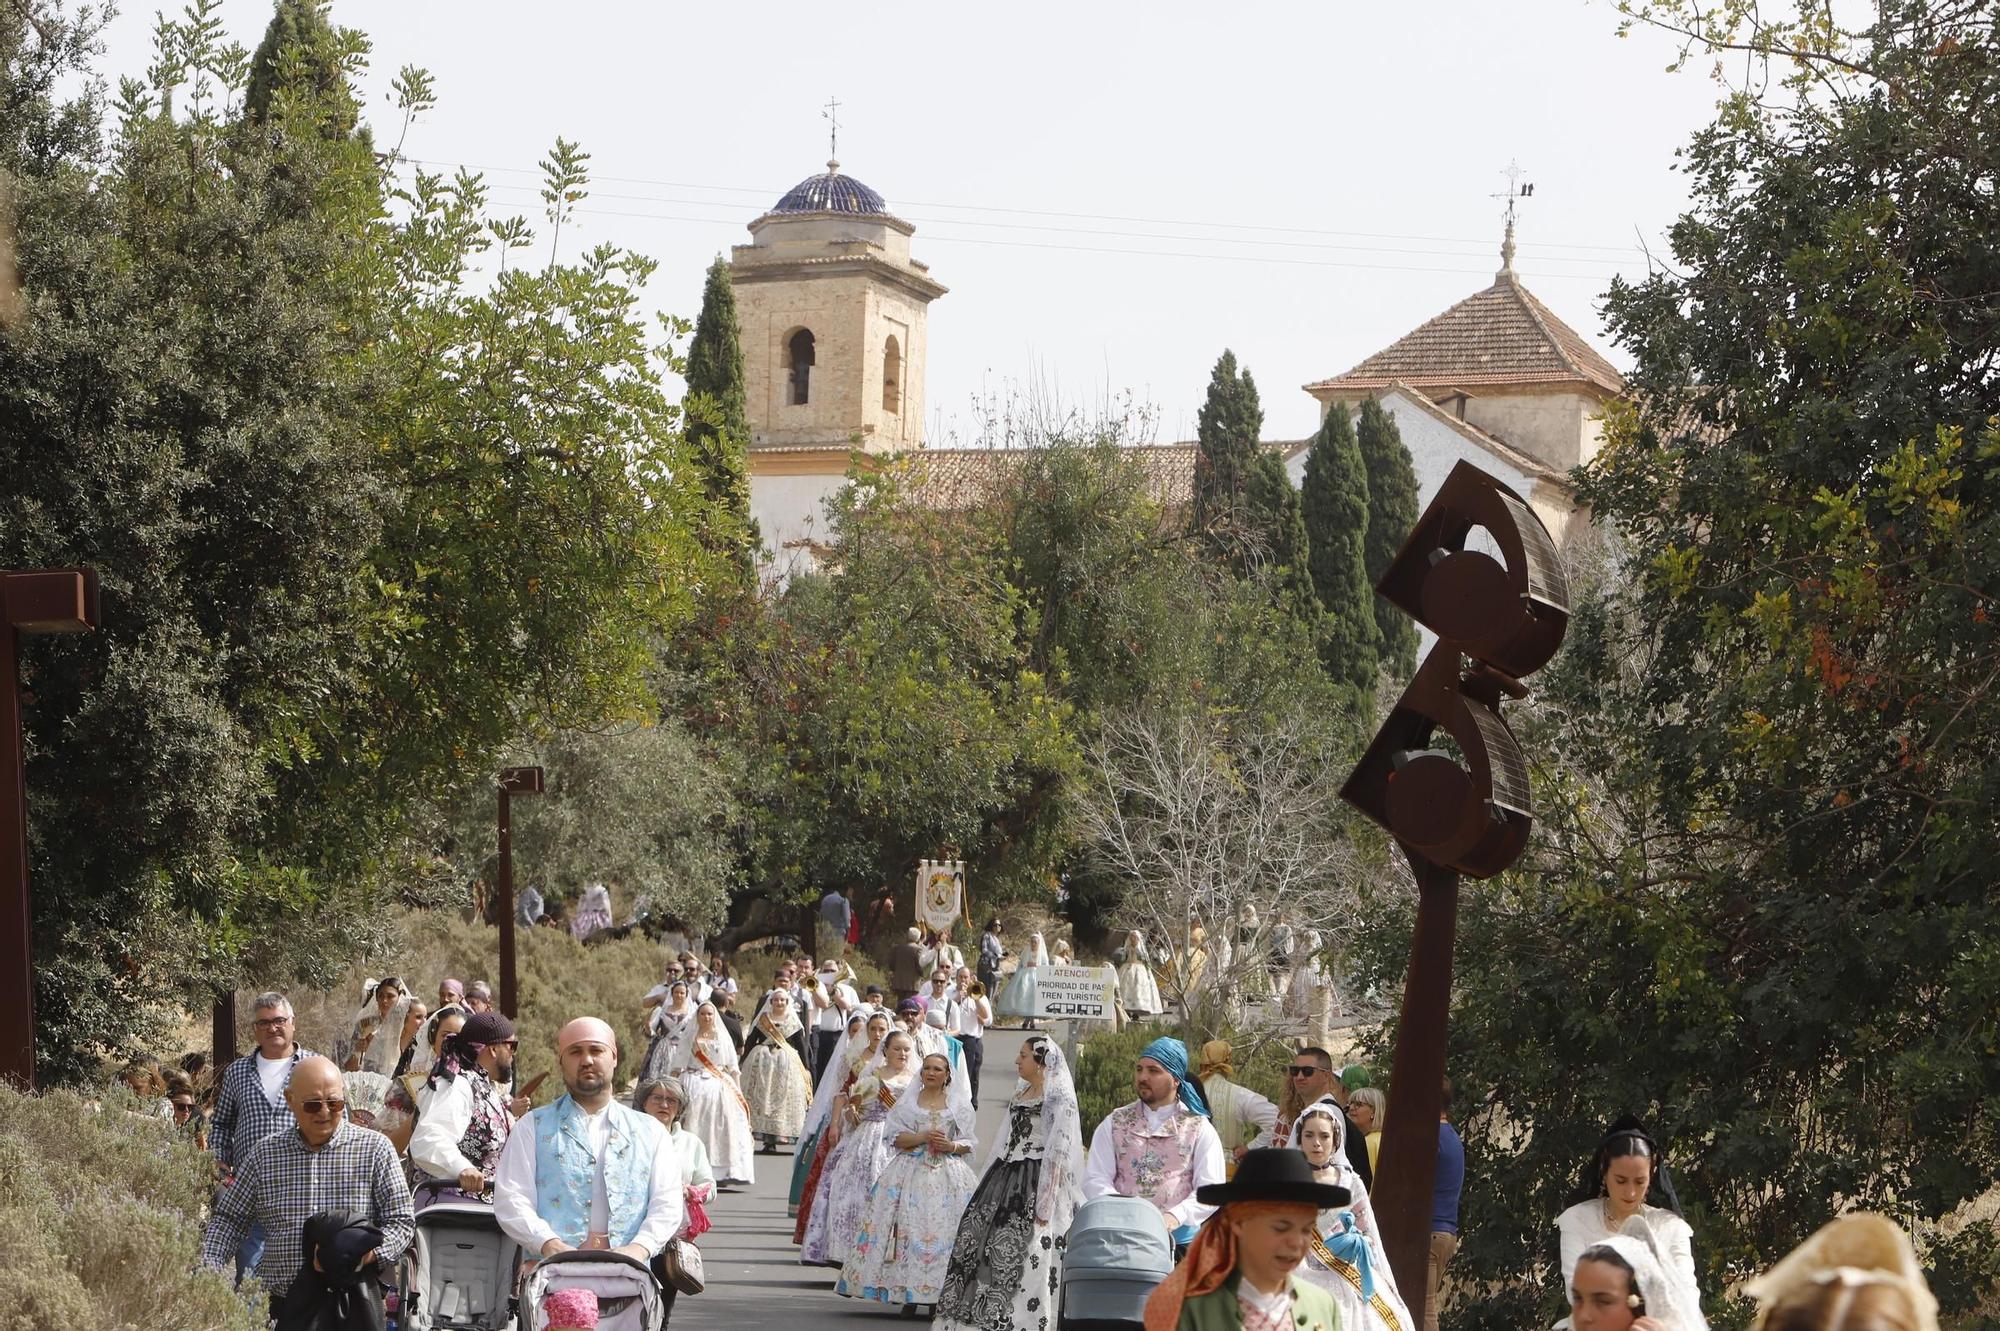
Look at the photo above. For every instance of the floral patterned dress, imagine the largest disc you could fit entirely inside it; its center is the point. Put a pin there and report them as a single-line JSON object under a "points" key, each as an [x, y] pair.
{"points": [[906, 1236], [841, 1200], [1005, 1263]]}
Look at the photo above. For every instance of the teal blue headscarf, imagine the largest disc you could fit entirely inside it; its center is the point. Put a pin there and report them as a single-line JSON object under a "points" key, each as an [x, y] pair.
{"points": [[1172, 1055]]}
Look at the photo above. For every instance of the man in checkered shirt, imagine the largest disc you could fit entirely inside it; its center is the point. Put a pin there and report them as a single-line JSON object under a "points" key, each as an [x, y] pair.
{"points": [[324, 1164], [250, 1103]]}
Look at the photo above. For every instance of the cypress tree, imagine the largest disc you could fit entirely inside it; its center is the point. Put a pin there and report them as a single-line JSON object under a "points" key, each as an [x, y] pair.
{"points": [[717, 415], [303, 53], [1226, 434], [1336, 521], [1282, 547], [1392, 511]]}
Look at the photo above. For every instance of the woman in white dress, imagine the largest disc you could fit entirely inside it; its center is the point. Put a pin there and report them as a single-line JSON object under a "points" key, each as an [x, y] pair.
{"points": [[1137, 989], [905, 1239], [1345, 1256], [671, 1026], [1308, 993], [861, 1154], [1006, 1260], [593, 913], [663, 1098], [377, 1040], [716, 1111], [1619, 1284], [775, 1081], [1626, 1190], [1018, 995], [850, 1054]]}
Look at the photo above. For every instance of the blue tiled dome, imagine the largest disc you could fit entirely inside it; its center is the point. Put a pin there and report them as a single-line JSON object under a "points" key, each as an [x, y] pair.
{"points": [[832, 192]]}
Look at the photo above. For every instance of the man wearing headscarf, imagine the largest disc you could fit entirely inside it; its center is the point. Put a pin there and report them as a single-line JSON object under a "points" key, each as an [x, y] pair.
{"points": [[465, 1124], [1241, 1116], [1162, 1146]]}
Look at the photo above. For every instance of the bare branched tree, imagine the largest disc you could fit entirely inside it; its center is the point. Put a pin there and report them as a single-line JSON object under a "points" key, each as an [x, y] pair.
{"points": [[1229, 837]]}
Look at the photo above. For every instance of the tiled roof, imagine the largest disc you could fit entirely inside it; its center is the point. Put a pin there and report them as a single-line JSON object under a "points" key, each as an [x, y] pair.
{"points": [[1501, 335], [831, 192], [952, 480]]}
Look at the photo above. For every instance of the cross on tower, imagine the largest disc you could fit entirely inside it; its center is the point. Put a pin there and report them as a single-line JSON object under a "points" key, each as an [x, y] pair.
{"points": [[831, 114], [1516, 191]]}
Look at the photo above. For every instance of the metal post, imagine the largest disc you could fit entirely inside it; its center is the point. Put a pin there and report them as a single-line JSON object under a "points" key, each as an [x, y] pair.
{"points": [[17, 966], [41, 601], [1408, 1167], [513, 781], [222, 1032], [506, 904]]}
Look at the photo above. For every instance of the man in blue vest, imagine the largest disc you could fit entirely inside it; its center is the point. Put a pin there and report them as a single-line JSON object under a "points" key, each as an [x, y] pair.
{"points": [[586, 1171]]}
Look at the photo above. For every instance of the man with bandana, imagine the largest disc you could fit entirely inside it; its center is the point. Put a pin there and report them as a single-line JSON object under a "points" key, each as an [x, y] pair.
{"points": [[1161, 1147]]}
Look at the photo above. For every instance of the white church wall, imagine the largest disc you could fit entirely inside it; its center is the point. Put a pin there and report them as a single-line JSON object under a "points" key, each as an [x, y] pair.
{"points": [[1554, 428], [1435, 448], [791, 514]]}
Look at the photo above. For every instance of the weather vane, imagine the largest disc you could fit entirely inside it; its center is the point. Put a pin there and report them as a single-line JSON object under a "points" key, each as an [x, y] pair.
{"points": [[831, 114], [1516, 191]]}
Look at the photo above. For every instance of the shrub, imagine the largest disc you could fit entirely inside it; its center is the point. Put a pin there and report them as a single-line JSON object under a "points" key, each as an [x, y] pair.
{"points": [[100, 1220]]}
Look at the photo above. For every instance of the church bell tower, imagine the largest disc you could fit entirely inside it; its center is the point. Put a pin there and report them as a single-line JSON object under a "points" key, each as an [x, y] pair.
{"points": [[833, 312]]}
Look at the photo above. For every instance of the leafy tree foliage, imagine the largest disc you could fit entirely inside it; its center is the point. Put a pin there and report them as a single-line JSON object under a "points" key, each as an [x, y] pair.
{"points": [[1227, 430], [1762, 912], [359, 524], [643, 808], [718, 423], [201, 463], [1392, 511], [1334, 498]]}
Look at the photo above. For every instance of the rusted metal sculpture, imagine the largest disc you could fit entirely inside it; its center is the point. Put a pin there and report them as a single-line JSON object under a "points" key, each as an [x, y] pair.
{"points": [[1445, 777]]}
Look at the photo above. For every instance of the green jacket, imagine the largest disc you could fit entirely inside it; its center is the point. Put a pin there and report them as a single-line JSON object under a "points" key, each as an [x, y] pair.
{"points": [[1313, 1309]]}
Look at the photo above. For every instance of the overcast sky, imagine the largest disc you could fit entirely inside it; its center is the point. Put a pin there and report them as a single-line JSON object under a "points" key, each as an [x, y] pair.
{"points": [[1112, 192]]}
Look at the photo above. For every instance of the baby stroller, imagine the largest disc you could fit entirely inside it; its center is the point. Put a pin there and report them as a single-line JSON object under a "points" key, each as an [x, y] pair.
{"points": [[628, 1298], [458, 1272], [1118, 1250]]}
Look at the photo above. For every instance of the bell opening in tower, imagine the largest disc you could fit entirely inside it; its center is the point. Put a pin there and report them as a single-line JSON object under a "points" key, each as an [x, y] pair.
{"points": [[892, 377], [799, 363]]}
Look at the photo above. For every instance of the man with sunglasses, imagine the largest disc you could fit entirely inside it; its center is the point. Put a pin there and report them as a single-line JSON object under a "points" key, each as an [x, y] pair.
{"points": [[250, 1103], [466, 1123], [324, 1163], [1310, 1077]]}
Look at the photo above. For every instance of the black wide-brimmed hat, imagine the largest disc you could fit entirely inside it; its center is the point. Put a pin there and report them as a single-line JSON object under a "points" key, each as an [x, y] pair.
{"points": [[1274, 1174]]}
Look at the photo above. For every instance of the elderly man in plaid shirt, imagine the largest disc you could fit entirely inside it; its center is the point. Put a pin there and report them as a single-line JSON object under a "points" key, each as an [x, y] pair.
{"points": [[250, 1103], [324, 1164]]}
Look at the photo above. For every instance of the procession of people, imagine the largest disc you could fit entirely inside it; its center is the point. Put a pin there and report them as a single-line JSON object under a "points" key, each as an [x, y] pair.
{"points": [[1264, 1201]]}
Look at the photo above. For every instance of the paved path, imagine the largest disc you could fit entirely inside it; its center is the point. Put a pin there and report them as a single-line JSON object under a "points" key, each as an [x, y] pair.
{"points": [[755, 1281]]}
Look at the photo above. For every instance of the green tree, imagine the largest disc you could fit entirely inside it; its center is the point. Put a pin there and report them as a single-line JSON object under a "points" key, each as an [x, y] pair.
{"points": [[1245, 511], [1227, 431], [305, 57], [718, 423], [363, 517], [1392, 511], [1760, 911], [178, 408], [1334, 498]]}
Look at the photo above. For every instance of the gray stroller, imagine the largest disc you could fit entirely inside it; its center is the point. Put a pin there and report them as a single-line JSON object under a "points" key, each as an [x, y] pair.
{"points": [[458, 1273], [1118, 1249], [628, 1297]]}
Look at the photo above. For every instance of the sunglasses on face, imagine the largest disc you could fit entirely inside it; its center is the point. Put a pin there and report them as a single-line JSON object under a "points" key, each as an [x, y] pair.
{"points": [[318, 1107], [1304, 1070]]}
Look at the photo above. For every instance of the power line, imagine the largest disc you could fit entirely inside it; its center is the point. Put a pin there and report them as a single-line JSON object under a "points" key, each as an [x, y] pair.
{"points": [[1108, 234], [1036, 212]]}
